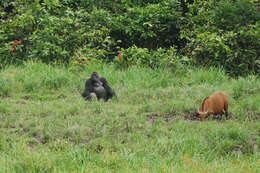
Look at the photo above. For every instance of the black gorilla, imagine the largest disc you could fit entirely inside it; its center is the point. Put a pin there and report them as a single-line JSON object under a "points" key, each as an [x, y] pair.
{"points": [[109, 91], [97, 86]]}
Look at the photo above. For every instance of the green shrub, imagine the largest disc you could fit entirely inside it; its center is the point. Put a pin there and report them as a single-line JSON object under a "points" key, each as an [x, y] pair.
{"points": [[226, 34], [213, 33], [236, 52], [153, 58], [52, 36], [230, 15], [152, 26]]}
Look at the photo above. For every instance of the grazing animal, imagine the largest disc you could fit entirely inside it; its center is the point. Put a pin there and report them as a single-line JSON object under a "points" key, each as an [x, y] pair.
{"points": [[97, 87], [214, 105]]}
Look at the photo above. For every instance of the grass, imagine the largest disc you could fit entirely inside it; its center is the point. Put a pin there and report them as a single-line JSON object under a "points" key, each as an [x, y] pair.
{"points": [[47, 127]]}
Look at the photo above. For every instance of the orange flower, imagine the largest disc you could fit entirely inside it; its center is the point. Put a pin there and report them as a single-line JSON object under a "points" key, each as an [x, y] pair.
{"points": [[120, 55], [75, 62], [19, 41], [15, 42], [12, 49]]}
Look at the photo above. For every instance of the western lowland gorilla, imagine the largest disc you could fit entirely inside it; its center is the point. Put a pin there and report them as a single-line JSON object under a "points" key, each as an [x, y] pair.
{"points": [[98, 87], [109, 91]]}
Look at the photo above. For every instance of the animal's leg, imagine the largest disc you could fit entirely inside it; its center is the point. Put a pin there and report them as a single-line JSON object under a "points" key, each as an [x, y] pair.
{"points": [[226, 110], [220, 115]]}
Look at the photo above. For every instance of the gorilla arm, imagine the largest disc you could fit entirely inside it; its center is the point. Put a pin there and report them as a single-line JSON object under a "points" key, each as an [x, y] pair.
{"points": [[109, 91], [88, 90]]}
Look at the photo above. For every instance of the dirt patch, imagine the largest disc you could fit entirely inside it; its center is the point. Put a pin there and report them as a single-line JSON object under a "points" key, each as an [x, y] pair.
{"points": [[99, 148], [33, 144], [26, 97], [62, 96], [151, 117], [192, 116], [253, 116], [20, 102], [37, 137], [167, 117]]}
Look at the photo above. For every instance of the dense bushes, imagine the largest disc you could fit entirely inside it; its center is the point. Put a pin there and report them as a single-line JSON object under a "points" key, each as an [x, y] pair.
{"points": [[215, 32], [225, 33], [152, 58], [150, 27], [236, 52], [51, 38]]}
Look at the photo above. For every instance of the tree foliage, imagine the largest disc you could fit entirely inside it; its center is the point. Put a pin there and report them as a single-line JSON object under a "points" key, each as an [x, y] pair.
{"points": [[215, 32]]}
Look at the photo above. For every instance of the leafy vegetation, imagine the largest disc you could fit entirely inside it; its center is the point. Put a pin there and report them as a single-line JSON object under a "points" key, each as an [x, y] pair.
{"points": [[162, 57], [47, 127], [214, 33]]}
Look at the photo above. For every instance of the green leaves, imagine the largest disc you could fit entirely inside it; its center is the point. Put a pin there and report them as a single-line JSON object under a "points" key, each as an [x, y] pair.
{"points": [[151, 58], [152, 26], [214, 33], [225, 34]]}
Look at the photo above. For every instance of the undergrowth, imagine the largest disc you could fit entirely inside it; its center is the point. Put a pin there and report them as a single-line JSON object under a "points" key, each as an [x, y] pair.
{"points": [[47, 127]]}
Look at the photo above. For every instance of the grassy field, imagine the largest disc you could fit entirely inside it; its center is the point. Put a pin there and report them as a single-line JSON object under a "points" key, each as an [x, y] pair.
{"points": [[47, 127]]}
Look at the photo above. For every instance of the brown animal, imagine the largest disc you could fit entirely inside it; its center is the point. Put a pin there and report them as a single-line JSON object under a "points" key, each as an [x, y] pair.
{"points": [[214, 105]]}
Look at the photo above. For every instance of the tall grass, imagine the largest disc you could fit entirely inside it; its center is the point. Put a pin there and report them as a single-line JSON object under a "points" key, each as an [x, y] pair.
{"points": [[47, 127]]}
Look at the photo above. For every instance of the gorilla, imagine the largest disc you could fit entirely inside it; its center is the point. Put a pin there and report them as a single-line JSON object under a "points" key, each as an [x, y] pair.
{"points": [[97, 87], [109, 91]]}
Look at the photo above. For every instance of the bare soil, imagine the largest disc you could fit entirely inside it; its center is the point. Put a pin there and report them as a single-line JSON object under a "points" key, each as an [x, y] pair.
{"points": [[167, 117]]}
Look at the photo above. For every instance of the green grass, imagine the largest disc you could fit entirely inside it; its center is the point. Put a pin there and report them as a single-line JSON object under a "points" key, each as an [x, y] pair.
{"points": [[47, 127]]}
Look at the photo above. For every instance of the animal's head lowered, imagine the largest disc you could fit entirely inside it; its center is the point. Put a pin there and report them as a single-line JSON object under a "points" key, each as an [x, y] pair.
{"points": [[203, 111], [202, 114]]}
